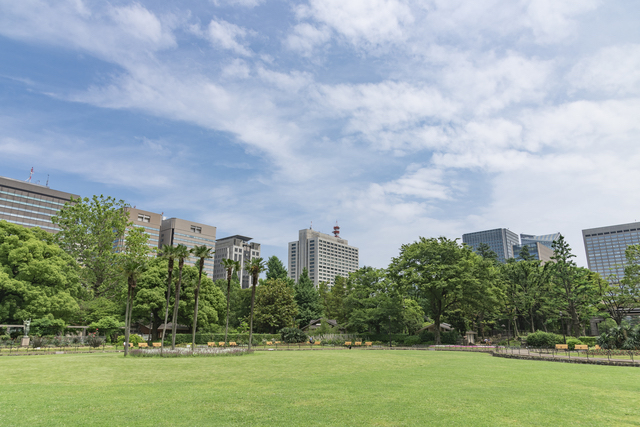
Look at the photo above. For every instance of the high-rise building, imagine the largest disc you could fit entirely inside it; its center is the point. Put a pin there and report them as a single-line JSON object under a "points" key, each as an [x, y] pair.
{"points": [[176, 231], [540, 247], [31, 205], [500, 240], [323, 255], [237, 248], [605, 247], [150, 221], [545, 239]]}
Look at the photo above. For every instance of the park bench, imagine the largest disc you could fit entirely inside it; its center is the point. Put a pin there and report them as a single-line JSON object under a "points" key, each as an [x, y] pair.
{"points": [[562, 346], [157, 344], [317, 342], [347, 343], [369, 343], [357, 343], [597, 347], [269, 343], [211, 344], [233, 344], [581, 347], [277, 342], [221, 343], [143, 345]]}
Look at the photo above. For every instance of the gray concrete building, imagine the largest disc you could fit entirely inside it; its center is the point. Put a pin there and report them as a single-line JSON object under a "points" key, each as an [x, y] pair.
{"points": [[149, 221], [605, 247], [237, 248], [176, 231], [323, 255], [500, 240], [31, 205]]}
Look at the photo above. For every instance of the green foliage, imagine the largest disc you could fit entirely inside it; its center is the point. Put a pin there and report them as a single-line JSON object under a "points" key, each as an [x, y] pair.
{"points": [[106, 326], [427, 336], [308, 300], [544, 340], [590, 341], [48, 325], [239, 338], [276, 269], [36, 277], [572, 342], [412, 340], [93, 340], [135, 339], [275, 305], [293, 335], [88, 229], [450, 337], [94, 309]]}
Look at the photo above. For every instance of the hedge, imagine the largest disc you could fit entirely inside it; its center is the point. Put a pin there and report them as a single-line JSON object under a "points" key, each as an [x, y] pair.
{"points": [[544, 339]]}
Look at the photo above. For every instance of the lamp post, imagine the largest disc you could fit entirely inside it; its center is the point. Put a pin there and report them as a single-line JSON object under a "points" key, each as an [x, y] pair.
{"points": [[564, 337]]}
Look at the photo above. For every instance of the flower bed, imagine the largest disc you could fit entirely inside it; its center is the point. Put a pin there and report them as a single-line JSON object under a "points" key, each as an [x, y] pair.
{"points": [[183, 351]]}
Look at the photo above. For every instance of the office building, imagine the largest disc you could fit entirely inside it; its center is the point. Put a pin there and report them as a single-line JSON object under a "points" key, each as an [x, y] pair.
{"points": [[540, 247], [149, 221], [605, 247], [545, 239], [176, 231], [323, 255], [31, 205], [500, 240], [238, 248]]}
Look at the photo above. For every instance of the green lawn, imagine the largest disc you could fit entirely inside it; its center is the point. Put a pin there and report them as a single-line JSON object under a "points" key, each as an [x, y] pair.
{"points": [[383, 388]]}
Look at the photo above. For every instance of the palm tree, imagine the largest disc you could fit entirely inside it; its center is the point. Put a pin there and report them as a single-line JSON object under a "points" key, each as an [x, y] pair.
{"points": [[132, 269], [203, 253], [229, 265], [181, 253], [169, 253], [256, 267]]}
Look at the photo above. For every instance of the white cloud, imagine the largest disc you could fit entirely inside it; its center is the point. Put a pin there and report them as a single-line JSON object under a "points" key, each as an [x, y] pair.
{"points": [[612, 71], [306, 37], [225, 35], [243, 3]]}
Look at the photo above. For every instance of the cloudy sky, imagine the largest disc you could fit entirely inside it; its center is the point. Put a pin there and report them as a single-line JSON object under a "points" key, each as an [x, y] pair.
{"points": [[397, 118]]}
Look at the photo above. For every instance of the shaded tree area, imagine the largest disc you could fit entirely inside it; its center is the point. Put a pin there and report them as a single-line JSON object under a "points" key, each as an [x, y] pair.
{"points": [[276, 307], [308, 300]]}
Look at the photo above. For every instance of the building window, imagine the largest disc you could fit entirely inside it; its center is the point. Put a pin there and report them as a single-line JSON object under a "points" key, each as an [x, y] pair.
{"points": [[144, 218], [195, 229]]}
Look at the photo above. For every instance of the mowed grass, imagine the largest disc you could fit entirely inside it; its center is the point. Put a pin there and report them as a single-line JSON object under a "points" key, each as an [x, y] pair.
{"points": [[308, 388]]}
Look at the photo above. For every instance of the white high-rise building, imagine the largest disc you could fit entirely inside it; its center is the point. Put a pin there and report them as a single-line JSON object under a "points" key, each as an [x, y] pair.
{"points": [[324, 256], [237, 248]]}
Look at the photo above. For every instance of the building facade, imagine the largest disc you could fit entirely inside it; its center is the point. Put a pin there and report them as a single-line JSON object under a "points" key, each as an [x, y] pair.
{"points": [[500, 240], [176, 231], [605, 247], [238, 248], [323, 255], [540, 247], [31, 205], [149, 221]]}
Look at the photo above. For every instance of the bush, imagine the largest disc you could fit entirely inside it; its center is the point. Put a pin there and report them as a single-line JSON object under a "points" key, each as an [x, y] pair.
{"points": [[412, 340], [15, 334], [48, 326], [449, 338], [544, 339], [613, 339], [93, 340], [293, 335], [38, 342], [106, 326], [572, 342], [134, 339], [427, 336], [590, 341]]}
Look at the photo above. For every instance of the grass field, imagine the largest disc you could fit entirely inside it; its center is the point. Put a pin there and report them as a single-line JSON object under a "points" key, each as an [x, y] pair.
{"points": [[352, 388]]}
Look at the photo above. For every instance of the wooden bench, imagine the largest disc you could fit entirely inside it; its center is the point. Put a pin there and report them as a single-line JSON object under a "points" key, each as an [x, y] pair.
{"points": [[357, 343], [562, 346], [157, 344], [581, 347], [347, 343], [221, 343], [317, 342], [369, 343], [233, 344], [277, 342], [143, 345], [211, 344], [269, 343], [597, 347]]}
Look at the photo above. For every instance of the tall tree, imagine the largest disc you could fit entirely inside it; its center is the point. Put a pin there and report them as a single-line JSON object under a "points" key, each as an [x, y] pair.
{"points": [[169, 253], [88, 230], [276, 269], [275, 305], [308, 299], [181, 253], [484, 250], [335, 308], [441, 271], [620, 296], [255, 268], [202, 253], [229, 265]]}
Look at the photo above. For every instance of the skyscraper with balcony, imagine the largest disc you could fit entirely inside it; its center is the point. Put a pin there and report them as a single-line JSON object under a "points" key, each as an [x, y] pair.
{"points": [[323, 255], [605, 247], [500, 240]]}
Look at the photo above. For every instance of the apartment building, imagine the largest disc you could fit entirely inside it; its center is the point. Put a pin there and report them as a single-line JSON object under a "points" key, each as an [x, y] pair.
{"points": [[176, 231], [239, 248]]}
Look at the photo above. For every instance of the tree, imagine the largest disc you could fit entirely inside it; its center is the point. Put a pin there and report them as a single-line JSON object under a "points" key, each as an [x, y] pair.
{"points": [[412, 316], [181, 253], [255, 268], [525, 289], [229, 265], [276, 269], [88, 230], [201, 252], [37, 278], [484, 250], [212, 301], [619, 297], [441, 271], [276, 307], [334, 300], [168, 253], [308, 299]]}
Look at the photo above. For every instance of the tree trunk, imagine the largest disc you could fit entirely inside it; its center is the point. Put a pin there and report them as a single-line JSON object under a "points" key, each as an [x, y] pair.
{"points": [[174, 325], [127, 321], [226, 329], [253, 294], [436, 329], [195, 313], [166, 311]]}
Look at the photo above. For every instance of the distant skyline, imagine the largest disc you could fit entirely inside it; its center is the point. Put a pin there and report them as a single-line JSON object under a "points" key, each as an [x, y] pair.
{"points": [[397, 118]]}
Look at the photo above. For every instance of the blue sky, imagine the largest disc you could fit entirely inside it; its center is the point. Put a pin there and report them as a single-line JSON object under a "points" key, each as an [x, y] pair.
{"points": [[397, 118]]}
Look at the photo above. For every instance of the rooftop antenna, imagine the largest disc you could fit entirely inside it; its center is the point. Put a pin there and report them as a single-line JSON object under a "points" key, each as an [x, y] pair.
{"points": [[47, 185], [30, 174], [336, 230], [311, 226]]}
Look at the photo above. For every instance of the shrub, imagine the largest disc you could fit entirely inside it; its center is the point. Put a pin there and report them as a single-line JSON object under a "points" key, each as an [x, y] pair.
{"points": [[292, 335], [15, 334], [106, 326], [94, 340], [614, 338], [48, 325], [412, 340], [544, 339], [449, 338], [38, 341], [134, 339], [427, 336], [590, 341], [572, 342]]}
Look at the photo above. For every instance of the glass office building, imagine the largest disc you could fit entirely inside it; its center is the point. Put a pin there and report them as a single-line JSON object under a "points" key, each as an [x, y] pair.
{"points": [[500, 240], [605, 247]]}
